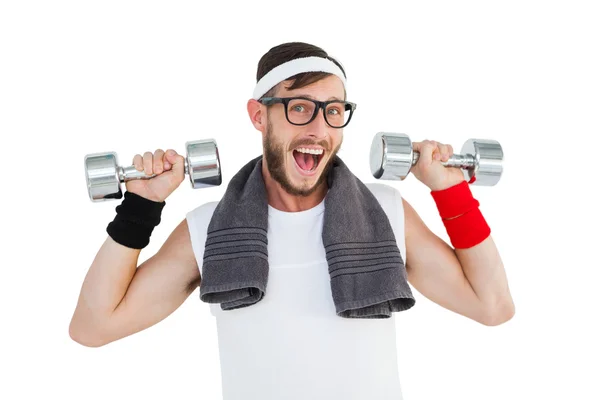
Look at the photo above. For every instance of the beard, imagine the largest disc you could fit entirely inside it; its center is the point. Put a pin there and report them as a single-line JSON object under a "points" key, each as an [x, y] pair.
{"points": [[275, 155]]}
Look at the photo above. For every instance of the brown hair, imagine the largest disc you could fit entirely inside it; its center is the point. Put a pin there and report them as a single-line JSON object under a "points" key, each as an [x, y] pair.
{"points": [[289, 51]]}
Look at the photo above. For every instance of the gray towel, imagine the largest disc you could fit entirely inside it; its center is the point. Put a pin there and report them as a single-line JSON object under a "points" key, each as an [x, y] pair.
{"points": [[368, 275]]}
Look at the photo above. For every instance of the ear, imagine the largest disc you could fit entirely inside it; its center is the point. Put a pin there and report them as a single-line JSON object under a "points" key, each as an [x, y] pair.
{"points": [[257, 114]]}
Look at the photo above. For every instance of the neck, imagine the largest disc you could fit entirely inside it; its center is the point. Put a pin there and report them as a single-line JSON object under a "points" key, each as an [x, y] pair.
{"points": [[281, 200]]}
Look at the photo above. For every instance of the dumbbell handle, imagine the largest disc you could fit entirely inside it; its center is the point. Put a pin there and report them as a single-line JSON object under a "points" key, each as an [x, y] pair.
{"points": [[130, 173], [465, 161]]}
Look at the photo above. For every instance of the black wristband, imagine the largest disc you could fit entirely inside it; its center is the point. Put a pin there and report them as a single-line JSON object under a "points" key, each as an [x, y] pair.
{"points": [[135, 220]]}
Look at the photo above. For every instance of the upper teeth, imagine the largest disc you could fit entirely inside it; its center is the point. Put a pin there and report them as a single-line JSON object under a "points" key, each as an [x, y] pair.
{"points": [[310, 151]]}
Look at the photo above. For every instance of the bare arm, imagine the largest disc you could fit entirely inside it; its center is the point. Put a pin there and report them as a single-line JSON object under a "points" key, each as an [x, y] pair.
{"points": [[471, 282], [118, 298]]}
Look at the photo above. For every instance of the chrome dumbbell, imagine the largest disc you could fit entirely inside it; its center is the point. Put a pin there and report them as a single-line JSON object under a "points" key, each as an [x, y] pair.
{"points": [[104, 175], [392, 157]]}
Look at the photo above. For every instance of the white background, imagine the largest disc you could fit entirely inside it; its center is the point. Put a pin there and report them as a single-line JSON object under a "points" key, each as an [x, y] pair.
{"points": [[81, 77]]}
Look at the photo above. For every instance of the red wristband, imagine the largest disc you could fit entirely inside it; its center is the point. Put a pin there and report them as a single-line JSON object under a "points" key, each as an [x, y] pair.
{"points": [[461, 216], [467, 230], [455, 200]]}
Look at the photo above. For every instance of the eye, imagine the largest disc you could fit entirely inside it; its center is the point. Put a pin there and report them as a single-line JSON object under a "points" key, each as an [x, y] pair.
{"points": [[337, 109], [300, 106]]}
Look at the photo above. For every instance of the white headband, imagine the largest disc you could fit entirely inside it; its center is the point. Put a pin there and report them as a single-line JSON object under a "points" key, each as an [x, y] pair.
{"points": [[293, 67]]}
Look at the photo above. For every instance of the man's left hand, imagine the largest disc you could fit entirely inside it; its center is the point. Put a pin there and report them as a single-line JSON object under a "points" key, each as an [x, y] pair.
{"points": [[429, 168]]}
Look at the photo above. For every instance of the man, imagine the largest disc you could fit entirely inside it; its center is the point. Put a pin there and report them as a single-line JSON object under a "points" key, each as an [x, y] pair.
{"points": [[289, 339]]}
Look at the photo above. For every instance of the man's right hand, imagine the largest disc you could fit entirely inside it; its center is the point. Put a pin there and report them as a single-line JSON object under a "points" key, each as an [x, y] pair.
{"points": [[170, 171]]}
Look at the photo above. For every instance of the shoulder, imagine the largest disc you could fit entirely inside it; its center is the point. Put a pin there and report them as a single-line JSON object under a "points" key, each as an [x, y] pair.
{"points": [[382, 190], [201, 213], [389, 198]]}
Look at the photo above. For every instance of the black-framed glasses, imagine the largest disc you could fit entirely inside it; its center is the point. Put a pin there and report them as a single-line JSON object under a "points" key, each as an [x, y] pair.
{"points": [[302, 111]]}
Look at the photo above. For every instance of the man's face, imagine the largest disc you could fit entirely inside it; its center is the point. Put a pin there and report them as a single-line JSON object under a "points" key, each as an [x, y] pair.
{"points": [[298, 173]]}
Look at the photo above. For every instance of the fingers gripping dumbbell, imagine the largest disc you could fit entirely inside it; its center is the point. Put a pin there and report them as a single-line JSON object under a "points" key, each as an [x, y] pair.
{"points": [[104, 175], [392, 157]]}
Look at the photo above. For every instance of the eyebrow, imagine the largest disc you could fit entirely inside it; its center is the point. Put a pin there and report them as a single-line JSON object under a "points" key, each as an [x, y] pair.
{"points": [[308, 96]]}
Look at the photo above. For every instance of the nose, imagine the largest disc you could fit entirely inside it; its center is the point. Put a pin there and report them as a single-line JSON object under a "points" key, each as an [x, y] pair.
{"points": [[319, 127]]}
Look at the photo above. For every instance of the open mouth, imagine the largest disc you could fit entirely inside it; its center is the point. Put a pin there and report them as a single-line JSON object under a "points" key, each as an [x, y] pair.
{"points": [[308, 162]]}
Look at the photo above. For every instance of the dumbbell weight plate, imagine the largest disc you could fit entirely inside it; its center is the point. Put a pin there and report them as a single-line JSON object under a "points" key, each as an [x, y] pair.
{"points": [[391, 156], [488, 161], [102, 176], [203, 163]]}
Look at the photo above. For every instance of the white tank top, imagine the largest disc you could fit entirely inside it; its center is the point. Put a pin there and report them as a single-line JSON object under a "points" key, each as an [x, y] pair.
{"points": [[291, 344]]}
